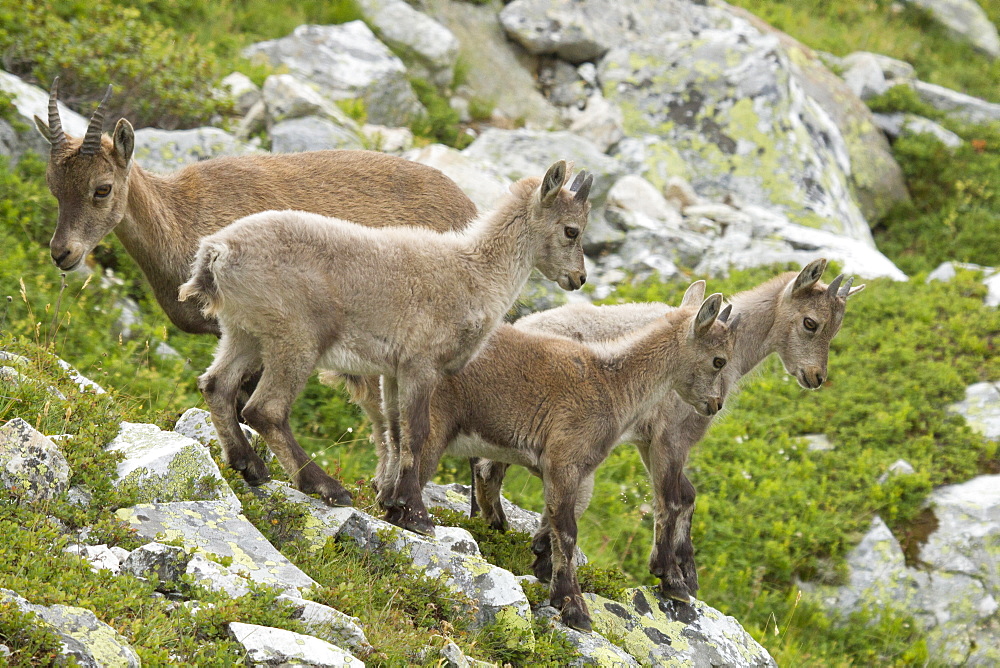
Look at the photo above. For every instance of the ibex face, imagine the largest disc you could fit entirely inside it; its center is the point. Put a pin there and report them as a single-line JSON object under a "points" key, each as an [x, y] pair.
{"points": [[807, 317], [563, 215], [89, 178], [699, 376]]}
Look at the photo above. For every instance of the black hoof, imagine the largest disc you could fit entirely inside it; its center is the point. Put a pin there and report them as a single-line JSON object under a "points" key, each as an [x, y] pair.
{"points": [[416, 522], [315, 481], [676, 591], [255, 473], [575, 616]]}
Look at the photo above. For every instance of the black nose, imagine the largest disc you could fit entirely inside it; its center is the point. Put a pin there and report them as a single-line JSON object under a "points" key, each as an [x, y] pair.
{"points": [[62, 256], [583, 279]]}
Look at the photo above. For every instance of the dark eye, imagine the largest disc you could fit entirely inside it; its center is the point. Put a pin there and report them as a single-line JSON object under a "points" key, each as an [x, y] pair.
{"points": [[810, 324], [102, 191], [572, 232], [719, 362]]}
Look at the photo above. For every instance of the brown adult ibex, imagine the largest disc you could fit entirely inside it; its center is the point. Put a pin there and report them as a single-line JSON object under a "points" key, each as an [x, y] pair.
{"points": [[414, 306], [558, 407], [161, 219], [793, 315]]}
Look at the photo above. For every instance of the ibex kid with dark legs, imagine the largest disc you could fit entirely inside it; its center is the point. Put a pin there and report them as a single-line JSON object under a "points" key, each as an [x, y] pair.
{"points": [[161, 219], [558, 407], [793, 315], [414, 306]]}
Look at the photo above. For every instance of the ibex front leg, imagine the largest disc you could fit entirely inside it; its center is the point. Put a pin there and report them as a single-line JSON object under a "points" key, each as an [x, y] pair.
{"points": [[541, 544], [286, 370], [561, 504], [488, 478], [237, 359]]}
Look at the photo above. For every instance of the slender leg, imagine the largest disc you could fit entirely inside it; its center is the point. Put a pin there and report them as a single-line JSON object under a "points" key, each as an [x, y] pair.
{"points": [[672, 557], [473, 501], [561, 489], [366, 392], [387, 471], [416, 386], [488, 476], [236, 360], [541, 544], [286, 371]]}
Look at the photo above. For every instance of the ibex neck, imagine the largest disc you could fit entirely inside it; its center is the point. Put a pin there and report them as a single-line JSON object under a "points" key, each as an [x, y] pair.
{"points": [[502, 251], [754, 340]]}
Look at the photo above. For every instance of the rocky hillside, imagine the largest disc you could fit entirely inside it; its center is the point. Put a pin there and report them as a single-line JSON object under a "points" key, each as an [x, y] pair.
{"points": [[721, 146]]}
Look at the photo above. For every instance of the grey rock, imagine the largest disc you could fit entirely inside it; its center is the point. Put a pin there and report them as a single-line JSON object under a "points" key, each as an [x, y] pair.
{"points": [[520, 153], [991, 278], [30, 463], [427, 47], [817, 442], [480, 182], [253, 122], [267, 646], [496, 67], [30, 101], [594, 649], [287, 97], [215, 527], [658, 631], [452, 656], [893, 70], [965, 20], [167, 562], [196, 423], [898, 467], [166, 466], [499, 597], [864, 76], [634, 193], [981, 409], [458, 540], [329, 624], [899, 124], [166, 151], [216, 577], [85, 638], [81, 381], [387, 140], [599, 121], [346, 61], [601, 237], [245, 93], [100, 556], [563, 85], [959, 105], [680, 193], [312, 133]]}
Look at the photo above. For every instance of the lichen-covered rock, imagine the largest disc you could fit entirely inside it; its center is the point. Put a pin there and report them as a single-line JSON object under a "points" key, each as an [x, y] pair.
{"points": [[165, 466], [346, 61], [216, 577], [166, 151], [981, 408], [966, 21], [196, 423], [167, 562], [312, 133], [266, 646], [330, 624], [497, 595], [657, 631], [216, 527], [959, 105], [427, 47], [594, 649], [30, 464], [86, 639], [496, 69]]}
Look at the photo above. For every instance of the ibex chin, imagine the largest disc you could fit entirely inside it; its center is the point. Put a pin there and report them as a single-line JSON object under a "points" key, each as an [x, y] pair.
{"points": [[793, 315], [161, 219], [413, 305], [558, 407]]}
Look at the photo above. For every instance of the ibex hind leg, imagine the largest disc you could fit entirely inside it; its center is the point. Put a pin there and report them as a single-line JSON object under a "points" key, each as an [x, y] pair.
{"points": [[488, 476], [286, 370], [236, 360]]}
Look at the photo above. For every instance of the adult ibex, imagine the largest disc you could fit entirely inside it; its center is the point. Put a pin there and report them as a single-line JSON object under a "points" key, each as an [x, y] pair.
{"points": [[793, 315], [161, 219], [558, 407], [413, 306]]}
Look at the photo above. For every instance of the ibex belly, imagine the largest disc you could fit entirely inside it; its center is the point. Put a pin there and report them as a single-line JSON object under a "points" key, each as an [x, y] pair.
{"points": [[472, 445]]}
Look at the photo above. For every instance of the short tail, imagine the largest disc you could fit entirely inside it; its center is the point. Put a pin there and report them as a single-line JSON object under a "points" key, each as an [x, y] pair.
{"points": [[202, 285]]}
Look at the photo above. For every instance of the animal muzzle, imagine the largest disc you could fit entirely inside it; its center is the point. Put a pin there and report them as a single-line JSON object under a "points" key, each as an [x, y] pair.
{"points": [[66, 256], [712, 406], [811, 378], [573, 280]]}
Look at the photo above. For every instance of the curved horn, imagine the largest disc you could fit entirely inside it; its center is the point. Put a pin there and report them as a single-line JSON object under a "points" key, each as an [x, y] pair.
{"points": [[846, 289], [578, 181], [835, 286], [584, 191], [92, 142], [726, 312], [58, 137]]}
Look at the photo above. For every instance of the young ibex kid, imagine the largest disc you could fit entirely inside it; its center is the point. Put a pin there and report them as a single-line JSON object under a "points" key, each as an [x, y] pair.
{"points": [[558, 407], [793, 315], [412, 305], [161, 219]]}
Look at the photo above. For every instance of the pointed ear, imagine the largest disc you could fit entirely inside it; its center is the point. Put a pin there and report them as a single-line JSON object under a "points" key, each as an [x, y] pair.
{"points": [[807, 278], [695, 294], [552, 183], [124, 141], [707, 314], [44, 129]]}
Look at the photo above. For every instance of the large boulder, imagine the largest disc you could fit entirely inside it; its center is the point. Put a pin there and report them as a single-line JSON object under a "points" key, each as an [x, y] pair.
{"points": [[30, 464], [266, 646], [346, 61], [30, 101], [958, 105], [166, 151], [428, 48], [966, 21], [482, 184]]}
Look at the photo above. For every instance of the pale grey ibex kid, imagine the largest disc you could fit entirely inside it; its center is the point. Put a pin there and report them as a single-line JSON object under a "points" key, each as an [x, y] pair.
{"points": [[793, 315], [558, 407], [413, 306], [161, 219]]}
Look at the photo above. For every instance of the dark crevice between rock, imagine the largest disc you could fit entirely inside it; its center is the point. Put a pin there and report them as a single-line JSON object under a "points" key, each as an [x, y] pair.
{"points": [[915, 537]]}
